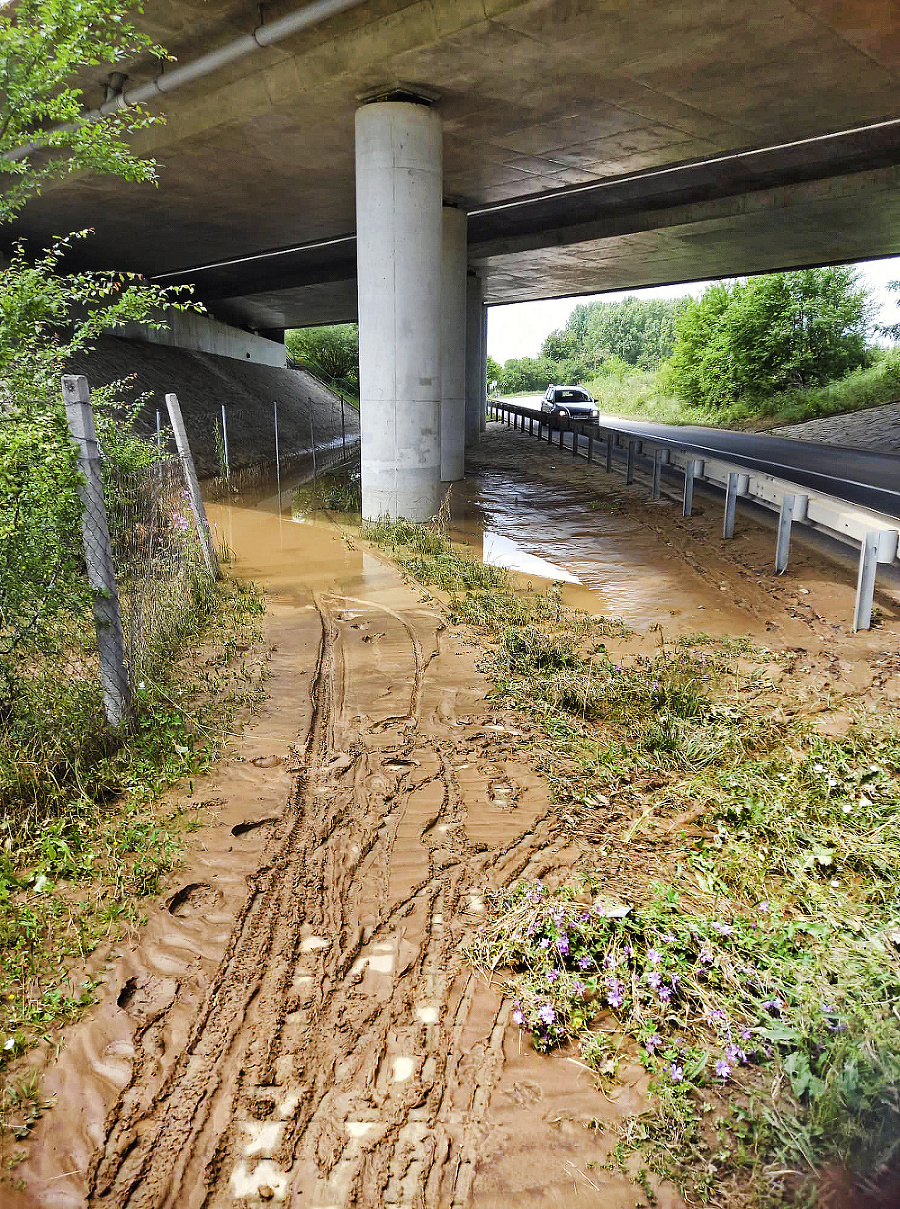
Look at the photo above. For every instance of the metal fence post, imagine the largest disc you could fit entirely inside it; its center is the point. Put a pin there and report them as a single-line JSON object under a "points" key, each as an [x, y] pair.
{"points": [[793, 507], [629, 466], [343, 430], [312, 439], [574, 442], [225, 447], [609, 448], [737, 485], [879, 545], [98, 550], [657, 474], [277, 457], [692, 468], [590, 452], [190, 476], [158, 431]]}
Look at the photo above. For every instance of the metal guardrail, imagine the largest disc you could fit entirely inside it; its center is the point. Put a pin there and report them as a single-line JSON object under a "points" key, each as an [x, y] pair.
{"points": [[874, 534]]}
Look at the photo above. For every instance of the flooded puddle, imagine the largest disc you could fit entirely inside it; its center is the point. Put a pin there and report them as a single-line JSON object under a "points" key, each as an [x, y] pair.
{"points": [[296, 1024]]}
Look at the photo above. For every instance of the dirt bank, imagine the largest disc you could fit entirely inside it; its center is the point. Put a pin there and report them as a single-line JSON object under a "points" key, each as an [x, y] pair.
{"points": [[203, 382]]}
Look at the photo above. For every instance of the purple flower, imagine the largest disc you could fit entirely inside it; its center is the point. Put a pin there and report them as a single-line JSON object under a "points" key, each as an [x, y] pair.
{"points": [[674, 979], [628, 950], [518, 1016], [763, 908], [610, 962], [584, 919], [676, 1072], [716, 1016], [552, 975], [529, 931], [654, 978], [614, 999], [562, 945], [665, 994], [654, 956], [706, 956], [653, 1042], [579, 988], [723, 1070], [722, 929], [829, 1009], [667, 938], [545, 943], [773, 1006], [745, 1034], [734, 1053], [547, 1014], [839, 1026], [585, 963]]}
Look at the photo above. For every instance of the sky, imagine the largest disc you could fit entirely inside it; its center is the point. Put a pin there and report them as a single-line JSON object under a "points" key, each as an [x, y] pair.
{"points": [[518, 330]]}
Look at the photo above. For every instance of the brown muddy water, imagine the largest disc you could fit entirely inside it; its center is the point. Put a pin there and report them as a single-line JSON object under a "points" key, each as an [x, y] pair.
{"points": [[295, 1025]]}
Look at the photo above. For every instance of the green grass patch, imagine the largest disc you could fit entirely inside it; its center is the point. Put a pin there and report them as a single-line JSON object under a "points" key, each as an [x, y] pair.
{"points": [[735, 927], [83, 840], [336, 490]]}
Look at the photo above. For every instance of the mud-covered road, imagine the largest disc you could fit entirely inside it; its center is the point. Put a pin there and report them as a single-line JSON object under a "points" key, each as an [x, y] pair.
{"points": [[295, 1024]]}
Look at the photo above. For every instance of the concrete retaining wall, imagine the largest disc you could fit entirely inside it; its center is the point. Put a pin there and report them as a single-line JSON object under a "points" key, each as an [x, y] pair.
{"points": [[203, 334]]}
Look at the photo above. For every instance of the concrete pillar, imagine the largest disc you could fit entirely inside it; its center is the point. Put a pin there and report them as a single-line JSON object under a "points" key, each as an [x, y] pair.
{"points": [[453, 347], [398, 239], [476, 357]]}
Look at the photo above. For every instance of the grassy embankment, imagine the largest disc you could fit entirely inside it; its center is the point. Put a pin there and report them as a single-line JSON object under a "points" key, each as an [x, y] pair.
{"points": [[733, 926], [84, 837], [644, 395]]}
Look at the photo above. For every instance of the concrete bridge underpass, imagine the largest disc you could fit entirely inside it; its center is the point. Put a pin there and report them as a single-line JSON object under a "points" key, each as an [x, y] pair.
{"points": [[411, 162]]}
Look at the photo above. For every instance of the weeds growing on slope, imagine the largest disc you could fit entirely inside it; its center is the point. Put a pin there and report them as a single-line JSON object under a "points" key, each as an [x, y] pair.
{"points": [[746, 949]]}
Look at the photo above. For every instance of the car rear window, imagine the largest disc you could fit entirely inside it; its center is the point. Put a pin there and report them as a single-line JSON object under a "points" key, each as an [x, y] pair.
{"points": [[571, 396]]}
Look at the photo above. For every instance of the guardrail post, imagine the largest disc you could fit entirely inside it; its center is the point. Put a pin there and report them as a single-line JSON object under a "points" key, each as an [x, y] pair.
{"points": [[609, 448], [793, 507], [549, 430], [657, 473], [590, 454], [879, 545], [531, 426], [629, 466], [737, 485], [693, 467], [574, 442], [562, 436]]}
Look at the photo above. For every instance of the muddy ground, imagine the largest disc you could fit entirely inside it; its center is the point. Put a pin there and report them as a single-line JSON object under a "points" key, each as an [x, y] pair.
{"points": [[295, 1024]]}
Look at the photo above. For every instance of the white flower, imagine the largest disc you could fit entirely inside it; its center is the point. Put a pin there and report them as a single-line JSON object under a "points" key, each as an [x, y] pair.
{"points": [[9, 1043], [847, 809]]}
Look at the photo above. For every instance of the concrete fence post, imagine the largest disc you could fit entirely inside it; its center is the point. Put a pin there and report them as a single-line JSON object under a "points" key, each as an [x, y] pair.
{"points": [[190, 477], [879, 545], [98, 550]]}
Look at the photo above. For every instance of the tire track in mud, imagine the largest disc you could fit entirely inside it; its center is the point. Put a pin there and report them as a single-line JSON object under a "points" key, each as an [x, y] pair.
{"points": [[331, 1064]]}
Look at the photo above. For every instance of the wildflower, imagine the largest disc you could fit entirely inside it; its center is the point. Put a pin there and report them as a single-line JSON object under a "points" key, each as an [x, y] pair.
{"points": [[610, 962], [839, 1026], [706, 956], [722, 929], [745, 1034], [547, 1014], [584, 919], [674, 979], [763, 908], [552, 975], [579, 988], [518, 1016], [716, 1016], [654, 978], [653, 1042], [667, 938], [676, 1072], [614, 996], [563, 945], [628, 950], [723, 1070], [558, 917], [545, 943], [773, 1006], [654, 956], [828, 1009], [665, 994], [585, 963], [734, 1053], [529, 931]]}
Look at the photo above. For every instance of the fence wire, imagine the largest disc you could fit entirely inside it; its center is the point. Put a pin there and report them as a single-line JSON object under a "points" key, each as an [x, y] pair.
{"points": [[160, 571]]}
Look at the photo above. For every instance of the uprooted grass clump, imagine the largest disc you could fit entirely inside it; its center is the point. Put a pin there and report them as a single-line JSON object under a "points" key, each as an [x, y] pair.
{"points": [[749, 956]]}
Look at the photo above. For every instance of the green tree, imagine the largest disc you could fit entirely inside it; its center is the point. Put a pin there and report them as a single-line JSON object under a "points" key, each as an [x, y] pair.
{"points": [[331, 352], [891, 329], [44, 46], [45, 315], [768, 334]]}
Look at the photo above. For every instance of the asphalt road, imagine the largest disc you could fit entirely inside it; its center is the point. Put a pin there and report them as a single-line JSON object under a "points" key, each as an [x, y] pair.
{"points": [[859, 476]]}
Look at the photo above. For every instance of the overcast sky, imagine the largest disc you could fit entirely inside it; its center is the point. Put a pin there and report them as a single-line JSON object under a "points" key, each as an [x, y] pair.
{"points": [[519, 330]]}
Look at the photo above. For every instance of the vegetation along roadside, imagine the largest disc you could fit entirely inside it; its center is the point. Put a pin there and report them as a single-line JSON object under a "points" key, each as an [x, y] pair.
{"points": [[732, 924]]}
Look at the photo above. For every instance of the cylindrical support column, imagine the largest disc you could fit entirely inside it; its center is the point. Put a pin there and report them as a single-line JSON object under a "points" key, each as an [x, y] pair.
{"points": [[398, 250], [476, 357], [453, 345]]}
